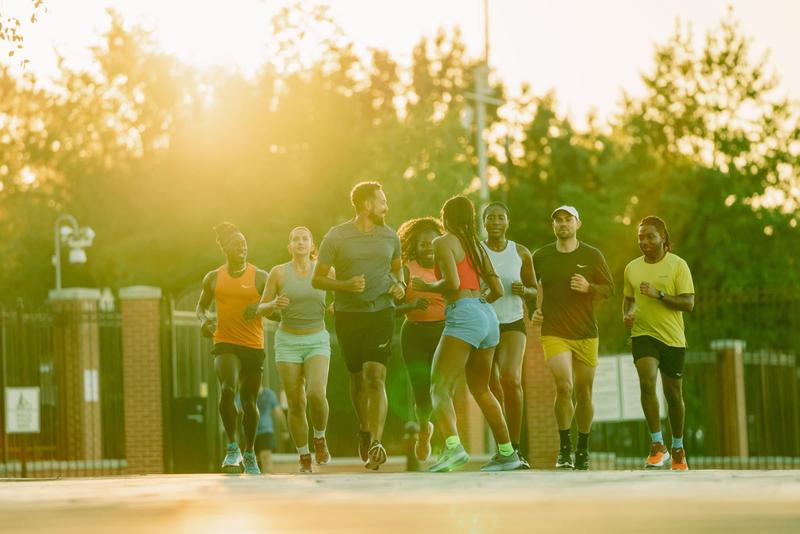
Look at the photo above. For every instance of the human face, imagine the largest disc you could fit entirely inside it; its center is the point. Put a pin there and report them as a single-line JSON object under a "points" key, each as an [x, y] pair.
{"points": [[496, 222], [235, 249], [377, 208], [424, 247], [651, 242], [300, 242], [565, 225]]}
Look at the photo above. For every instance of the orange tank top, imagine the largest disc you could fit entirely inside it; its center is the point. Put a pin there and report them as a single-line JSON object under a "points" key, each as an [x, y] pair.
{"points": [[467, 275], [435, 311], [233, 296]]}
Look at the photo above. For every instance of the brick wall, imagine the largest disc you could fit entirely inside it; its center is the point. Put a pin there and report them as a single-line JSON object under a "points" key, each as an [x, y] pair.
{"points": [[540, 394], [141, 372]]}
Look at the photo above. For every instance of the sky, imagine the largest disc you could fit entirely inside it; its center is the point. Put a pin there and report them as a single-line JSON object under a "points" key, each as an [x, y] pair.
{"points": [[587, 51]]}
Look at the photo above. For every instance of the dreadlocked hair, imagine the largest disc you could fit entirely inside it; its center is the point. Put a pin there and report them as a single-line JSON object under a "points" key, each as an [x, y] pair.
{"points": [[410, 231], [224, 231], [661, 228], [458, 214]]}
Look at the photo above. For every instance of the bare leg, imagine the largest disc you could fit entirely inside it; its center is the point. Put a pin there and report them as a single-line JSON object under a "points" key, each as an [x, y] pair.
{"points": [[510, 353], [478, 371], [377, 403], [316, 372], [227, 368], [584, 411], [448, 362], [294, 384], [647, 368], [561, 367]]}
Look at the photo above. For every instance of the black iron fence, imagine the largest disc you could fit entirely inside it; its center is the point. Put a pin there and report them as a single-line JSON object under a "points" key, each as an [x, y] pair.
{"points": [[61, 394]]}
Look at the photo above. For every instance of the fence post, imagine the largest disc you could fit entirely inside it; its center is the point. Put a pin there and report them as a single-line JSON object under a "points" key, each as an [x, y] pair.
{"points": [[77, 359], [141, 377], [733, 416]]}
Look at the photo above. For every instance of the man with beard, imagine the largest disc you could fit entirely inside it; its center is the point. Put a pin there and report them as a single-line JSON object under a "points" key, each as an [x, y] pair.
{"points": [[572, 275], [658, 289], [365, 254], [238, 334]]}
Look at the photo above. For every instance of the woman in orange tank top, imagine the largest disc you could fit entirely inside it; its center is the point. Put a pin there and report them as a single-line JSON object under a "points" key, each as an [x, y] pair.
{"points": [[424, 322], [238, 334], [470, 335]]}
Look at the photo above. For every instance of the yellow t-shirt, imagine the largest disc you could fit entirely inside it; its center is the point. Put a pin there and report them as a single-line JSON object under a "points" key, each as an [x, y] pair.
{"points": [[652, 317]]}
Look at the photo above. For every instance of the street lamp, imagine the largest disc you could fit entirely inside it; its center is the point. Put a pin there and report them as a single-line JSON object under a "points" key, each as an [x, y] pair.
{"points": [[66, 230]]}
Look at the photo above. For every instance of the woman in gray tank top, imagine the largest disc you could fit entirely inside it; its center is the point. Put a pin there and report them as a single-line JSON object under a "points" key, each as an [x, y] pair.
{"points": [[302, 344], [514, 264]]}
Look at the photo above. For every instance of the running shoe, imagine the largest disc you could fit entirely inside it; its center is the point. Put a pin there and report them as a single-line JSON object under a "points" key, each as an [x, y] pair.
{"points": [[376, 456], [564, 460], [232, 464], [305, 463], [422, 447], [364, 440], [250, 463], [658, 458], [679, 460], [321, 452], [502, 463], [450, 460], [524, 464], [581, 460]]}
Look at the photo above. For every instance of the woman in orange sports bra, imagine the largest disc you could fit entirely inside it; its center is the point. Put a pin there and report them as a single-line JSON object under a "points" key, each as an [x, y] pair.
{"points": [[424, 322], [471, 333], [236, 288]]}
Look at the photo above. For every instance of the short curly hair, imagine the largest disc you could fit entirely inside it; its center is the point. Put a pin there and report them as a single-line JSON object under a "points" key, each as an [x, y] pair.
{"points": [[410, 231]]}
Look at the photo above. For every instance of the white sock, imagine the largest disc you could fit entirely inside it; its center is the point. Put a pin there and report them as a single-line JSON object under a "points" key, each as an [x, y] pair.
{"points": [[319, 433], [303, 449]]}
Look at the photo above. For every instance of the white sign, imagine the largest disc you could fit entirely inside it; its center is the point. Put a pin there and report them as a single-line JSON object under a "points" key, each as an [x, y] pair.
{"points": [[91, 385], [616, 393], [22, 410]]}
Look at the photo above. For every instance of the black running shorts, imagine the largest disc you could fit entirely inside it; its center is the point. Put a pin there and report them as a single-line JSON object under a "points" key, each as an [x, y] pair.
{"points": [[365, 337], [670, 359], [251, 360], [516, 326]]}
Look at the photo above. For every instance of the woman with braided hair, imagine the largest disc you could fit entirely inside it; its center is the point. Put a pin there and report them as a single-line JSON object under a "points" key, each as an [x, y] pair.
{"points": [[470, 335], [424, 322], [236, 288]]}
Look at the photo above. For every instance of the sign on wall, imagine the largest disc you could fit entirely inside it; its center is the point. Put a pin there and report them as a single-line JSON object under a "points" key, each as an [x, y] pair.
{"points": [[22, 410]]}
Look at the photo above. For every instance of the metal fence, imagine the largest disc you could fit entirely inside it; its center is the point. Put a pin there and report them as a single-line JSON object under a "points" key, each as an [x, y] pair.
{"points": [[61, 395]]}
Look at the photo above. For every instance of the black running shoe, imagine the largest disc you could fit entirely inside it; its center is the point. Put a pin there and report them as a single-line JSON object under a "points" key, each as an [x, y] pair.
{"points": [[581, 460], [564, 460], [523, 462], [364, 441]]}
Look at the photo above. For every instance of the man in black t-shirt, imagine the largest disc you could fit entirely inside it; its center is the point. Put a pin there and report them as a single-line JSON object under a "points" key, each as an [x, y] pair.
{"points": [[572, 276]]}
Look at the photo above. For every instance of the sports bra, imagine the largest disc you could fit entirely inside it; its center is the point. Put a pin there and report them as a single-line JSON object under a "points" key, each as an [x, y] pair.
{"points": [[467, 275]]}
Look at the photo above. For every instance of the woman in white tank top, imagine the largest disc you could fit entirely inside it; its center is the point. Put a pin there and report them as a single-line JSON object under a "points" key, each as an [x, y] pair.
{"points": [[514, 264]]}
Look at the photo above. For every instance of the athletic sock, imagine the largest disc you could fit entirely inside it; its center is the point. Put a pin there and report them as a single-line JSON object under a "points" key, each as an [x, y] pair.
{"points": [[303, 450], [677, 443], [566, 442], [233, 444], [583, 441], [319, 433], [657, 437], [506, 449], [452, 442]]}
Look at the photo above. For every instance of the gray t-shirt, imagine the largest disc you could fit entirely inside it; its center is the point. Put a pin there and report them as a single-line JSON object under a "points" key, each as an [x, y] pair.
{"points": [[351, 253]]}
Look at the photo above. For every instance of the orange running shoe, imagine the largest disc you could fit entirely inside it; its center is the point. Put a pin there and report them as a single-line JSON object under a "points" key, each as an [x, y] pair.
{"points": [[679, 460], [658, 458], [305, 463], [323, 456]]}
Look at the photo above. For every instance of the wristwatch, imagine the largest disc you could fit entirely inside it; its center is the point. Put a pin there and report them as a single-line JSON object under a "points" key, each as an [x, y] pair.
{"points": [[661, 295]]}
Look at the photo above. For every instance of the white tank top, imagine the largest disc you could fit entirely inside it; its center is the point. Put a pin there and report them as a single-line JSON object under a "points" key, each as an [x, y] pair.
{"points": [[507, 264]]}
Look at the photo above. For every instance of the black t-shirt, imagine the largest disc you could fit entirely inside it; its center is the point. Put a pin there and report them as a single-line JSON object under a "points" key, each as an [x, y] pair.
{"points": [[567, 313]]}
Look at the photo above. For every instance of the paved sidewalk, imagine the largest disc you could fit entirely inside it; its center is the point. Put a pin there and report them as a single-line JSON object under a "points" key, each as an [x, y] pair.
{"points": [[534, 501]]}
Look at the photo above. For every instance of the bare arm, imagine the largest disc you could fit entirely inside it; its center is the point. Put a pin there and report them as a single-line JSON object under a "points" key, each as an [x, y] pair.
{"points": [[628, 311], [526, 287], [683, 302], [270, 301], [207, 324], [321, 280]]}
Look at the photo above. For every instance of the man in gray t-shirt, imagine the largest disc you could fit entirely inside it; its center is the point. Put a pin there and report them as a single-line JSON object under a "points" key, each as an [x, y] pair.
{"points": [[365, 254]]}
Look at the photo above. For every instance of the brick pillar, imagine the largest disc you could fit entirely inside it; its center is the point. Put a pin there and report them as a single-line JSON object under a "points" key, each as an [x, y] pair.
{"points": [[540, 395], [141, 375], [471, 424], [733, 416], [76, 342]]}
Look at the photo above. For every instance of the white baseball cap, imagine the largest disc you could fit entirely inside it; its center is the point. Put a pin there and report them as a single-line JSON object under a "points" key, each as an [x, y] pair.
{"points": [[569, 209]]}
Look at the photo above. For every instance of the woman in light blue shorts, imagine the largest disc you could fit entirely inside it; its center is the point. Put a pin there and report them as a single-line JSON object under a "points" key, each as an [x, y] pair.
{"points": [[302, 344], [471, 332]]}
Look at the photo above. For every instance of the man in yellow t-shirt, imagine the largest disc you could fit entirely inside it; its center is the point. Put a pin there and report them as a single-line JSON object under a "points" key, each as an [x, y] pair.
{"points": [[658, 288]]}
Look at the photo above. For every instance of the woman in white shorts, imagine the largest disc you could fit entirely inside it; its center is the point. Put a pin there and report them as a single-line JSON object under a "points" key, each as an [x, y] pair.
{"points": [[302, 344]]}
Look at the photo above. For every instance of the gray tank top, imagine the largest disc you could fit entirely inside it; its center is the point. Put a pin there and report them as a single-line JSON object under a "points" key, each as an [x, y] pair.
{"points": [[306, 304]]}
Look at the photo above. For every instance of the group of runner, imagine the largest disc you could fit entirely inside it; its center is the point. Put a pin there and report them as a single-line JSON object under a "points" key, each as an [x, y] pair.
{"points": [[464, 302]]}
